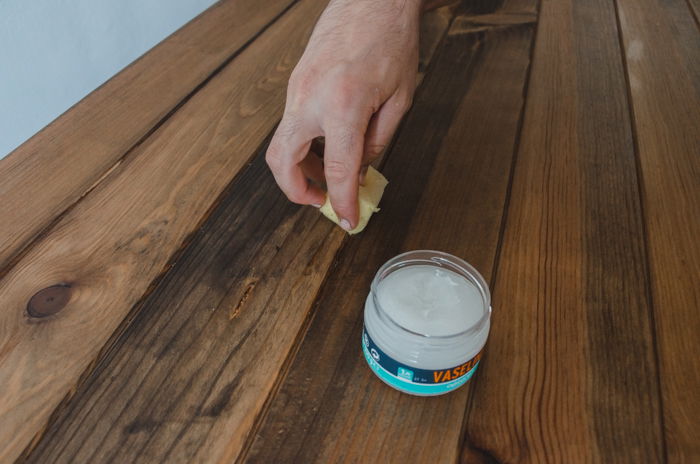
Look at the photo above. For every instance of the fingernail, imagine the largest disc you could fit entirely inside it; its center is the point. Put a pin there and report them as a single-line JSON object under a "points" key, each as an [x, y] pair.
{"points": [[345, 224], [316, 206]]}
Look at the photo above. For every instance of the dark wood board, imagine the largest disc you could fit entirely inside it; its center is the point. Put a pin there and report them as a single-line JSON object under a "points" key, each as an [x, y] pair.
{"points": [[448, 176], [695, 10], [185, 378], [570, 374], [662, 51]]}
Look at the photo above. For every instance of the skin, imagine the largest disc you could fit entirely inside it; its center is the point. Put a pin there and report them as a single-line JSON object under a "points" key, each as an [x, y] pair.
{"points": [[352, 86]]}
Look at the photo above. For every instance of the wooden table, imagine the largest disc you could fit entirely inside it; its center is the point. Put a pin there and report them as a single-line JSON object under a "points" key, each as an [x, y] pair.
{"points": [[161, 301]]}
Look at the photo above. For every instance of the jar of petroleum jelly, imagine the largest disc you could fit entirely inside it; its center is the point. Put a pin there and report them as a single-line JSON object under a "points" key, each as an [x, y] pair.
{"points": [[427, 318]]}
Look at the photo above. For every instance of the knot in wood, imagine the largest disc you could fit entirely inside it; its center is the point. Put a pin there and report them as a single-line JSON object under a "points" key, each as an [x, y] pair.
{"points": [[49, 301]]}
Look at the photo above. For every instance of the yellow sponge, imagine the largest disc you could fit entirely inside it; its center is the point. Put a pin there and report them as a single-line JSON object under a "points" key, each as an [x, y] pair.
{"points": [[368, 198]]}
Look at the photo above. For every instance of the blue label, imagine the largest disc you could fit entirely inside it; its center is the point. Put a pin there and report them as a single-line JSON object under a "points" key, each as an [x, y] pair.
{"points": [[414, 380]]}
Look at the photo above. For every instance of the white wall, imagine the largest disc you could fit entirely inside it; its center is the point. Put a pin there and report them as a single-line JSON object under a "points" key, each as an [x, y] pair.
{"points": [[54, 52]]}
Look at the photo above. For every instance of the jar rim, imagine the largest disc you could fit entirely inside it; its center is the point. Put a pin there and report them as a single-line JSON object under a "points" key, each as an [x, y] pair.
{"points": [[442, 260]]}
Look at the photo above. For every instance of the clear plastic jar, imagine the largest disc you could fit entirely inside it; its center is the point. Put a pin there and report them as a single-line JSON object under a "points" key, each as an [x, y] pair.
{"points": [[427, 318]]}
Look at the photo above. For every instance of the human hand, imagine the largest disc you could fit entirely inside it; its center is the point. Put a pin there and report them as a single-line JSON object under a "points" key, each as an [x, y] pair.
{"points": [[352, 85]]}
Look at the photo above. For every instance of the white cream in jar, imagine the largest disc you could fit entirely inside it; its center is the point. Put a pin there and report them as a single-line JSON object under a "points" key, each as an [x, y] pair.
{"points": [[427, 319]]}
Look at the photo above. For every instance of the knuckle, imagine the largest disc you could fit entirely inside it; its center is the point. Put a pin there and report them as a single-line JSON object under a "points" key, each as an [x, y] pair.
{"points": [[341, 100], [337, 170], [295, 197], [345, 90], [295, 78], [291, 124], [403, 100], [300, 86], [299, 75], [347, 137], [405, 103], [295, 194], [374, 150], [273, 158], [341, 206], [345, 83]]}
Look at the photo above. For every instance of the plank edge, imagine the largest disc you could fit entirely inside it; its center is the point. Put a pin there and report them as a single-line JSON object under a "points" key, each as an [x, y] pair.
{"points": [[642, 195]]}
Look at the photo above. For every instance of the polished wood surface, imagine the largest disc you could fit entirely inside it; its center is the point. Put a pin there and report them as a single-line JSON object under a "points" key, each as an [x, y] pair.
{"points": [[576, 343], [161, 301], [664, 85]]}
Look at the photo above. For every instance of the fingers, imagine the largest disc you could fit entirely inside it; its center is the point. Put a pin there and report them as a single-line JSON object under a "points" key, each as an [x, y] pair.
{"points": [[383, 125], [342, 160], [287, 150], [342, 114], [381, 129]]}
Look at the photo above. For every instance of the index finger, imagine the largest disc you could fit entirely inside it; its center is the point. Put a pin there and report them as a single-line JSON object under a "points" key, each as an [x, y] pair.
{"points": [[342, 161], [288, 148]]}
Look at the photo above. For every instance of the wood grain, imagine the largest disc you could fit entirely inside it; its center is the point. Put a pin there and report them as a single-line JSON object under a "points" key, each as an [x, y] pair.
{"points": [[118, 239], [186, 377], [46, 175], [662, 49], [242, 333], [570, 374], [695, 10], [448, 173], [191, 371], [433, 26]]}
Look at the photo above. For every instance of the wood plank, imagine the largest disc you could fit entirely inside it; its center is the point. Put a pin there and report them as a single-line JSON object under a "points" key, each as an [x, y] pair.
{"points": [[117, 240], [449, 172], [232, 284], [187, 377], [662, 48], [51, 171], [695, 10], [570, 373], [433, 26]]}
